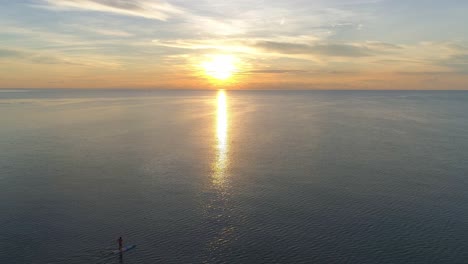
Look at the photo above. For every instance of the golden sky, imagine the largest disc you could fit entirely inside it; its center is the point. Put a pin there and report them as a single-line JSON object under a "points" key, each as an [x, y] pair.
{"points": [[255, 44]]}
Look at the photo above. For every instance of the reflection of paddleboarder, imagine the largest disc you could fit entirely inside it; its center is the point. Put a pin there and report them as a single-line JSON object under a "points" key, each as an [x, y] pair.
{"points": [[120, 244]]}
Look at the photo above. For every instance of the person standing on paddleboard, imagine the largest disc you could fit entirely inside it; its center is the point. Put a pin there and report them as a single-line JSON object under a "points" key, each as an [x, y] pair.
{"points": [[120, 243]]}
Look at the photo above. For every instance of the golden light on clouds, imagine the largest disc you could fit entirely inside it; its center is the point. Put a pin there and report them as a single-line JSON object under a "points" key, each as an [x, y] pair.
{"points": [[285, 45], [220, 67]]}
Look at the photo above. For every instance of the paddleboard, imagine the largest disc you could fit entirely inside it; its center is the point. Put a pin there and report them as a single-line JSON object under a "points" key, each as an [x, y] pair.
{"points": [[124, 249]]}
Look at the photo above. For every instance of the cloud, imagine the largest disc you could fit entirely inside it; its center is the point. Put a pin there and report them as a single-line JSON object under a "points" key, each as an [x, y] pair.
{"points": [[227, 45], [32, 57], [383, 45], [106, 32], [426, 73], [149, 9], [7, 53], [273, 71], [41, 58], [333, 50], [457, 62], [44, 59]]}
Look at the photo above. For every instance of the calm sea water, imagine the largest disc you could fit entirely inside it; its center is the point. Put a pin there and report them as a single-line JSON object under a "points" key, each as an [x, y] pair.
{"points": [[233, 177]]}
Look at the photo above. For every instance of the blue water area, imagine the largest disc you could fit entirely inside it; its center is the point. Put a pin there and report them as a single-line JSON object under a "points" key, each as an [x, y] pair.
{"points": [[233, 176]]}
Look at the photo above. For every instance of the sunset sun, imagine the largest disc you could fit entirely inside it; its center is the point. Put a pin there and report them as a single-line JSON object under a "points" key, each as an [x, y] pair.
{"points": [[220, 67]]}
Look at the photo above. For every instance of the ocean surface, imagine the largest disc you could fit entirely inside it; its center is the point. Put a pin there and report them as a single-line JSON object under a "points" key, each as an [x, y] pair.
{"points": [[233, 176]]}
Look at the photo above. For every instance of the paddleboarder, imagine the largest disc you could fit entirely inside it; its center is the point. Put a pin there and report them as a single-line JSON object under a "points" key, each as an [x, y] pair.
{"points": [[120, 244], [122, 249]]}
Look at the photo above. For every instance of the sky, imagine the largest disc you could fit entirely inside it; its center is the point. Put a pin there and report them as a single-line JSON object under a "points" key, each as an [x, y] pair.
{"points": [[259, 44]]}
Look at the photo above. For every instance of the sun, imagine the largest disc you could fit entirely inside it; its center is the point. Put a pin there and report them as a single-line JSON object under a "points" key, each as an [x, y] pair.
{"points": [[220, 67]]}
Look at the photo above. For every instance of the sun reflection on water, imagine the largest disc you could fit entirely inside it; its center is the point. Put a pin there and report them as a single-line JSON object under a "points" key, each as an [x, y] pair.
{"points": [[221, 139], [219, 209]]}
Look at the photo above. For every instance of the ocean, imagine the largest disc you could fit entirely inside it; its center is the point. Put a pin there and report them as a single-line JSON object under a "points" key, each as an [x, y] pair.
{"points": [[233, 176]]}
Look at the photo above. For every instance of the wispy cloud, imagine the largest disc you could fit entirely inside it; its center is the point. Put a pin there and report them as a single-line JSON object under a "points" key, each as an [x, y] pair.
{"points": [[8, 53], [458, 62], [105, 31], [334, 50], [274, 71], [47, 58], [31, 57], [150, 9]]}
